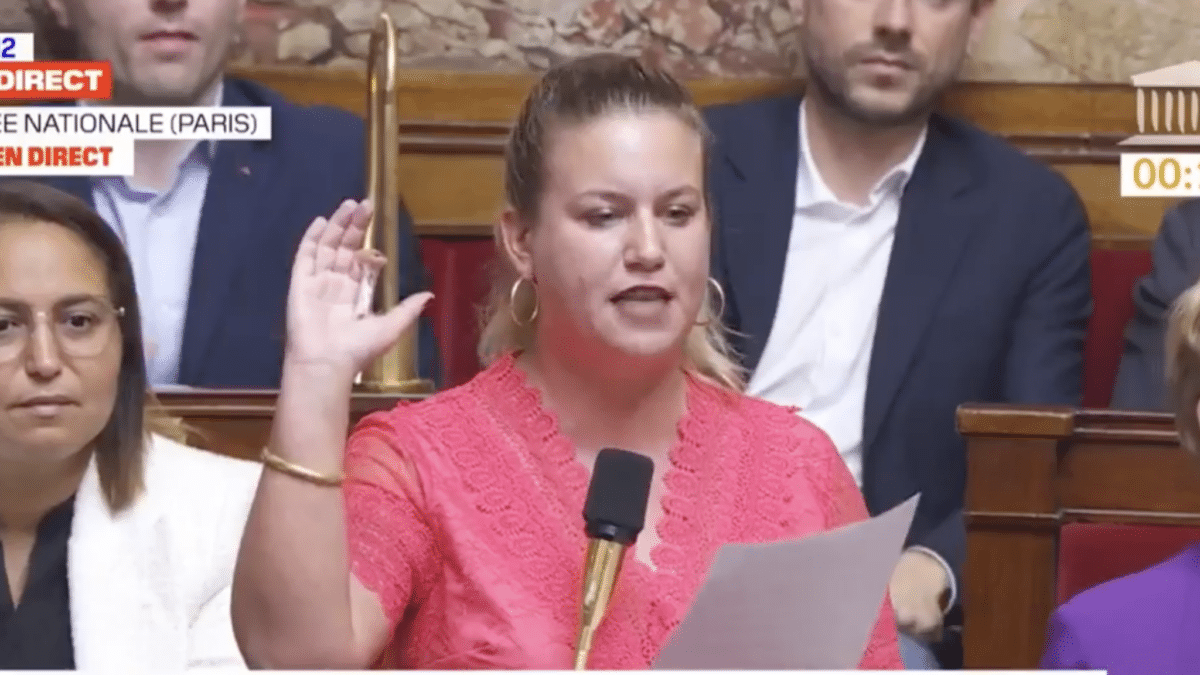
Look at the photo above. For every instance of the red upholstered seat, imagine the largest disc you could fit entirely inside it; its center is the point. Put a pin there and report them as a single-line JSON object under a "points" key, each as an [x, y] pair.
{"points": [[1092, 553], [1114, 273]]}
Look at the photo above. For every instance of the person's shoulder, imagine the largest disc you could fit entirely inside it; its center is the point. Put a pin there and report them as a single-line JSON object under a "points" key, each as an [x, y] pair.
{"points": [[1188, 208], [1143, 601], [202, 500], [759, 421], [315, 123], [1178, 235], [749, 108], [199, 502], [443, 434], [466, 395], [1184, 215], [424, 419], [788, 464], [1000, 158], [724, 118], [182, 473]]}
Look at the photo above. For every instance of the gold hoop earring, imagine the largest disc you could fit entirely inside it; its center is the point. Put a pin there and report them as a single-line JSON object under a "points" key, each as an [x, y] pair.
{"points": [[721, 295], [512, 302]]}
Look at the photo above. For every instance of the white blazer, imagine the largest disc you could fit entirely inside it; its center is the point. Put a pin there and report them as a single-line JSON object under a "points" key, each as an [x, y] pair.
{"points": [[150, 588]]}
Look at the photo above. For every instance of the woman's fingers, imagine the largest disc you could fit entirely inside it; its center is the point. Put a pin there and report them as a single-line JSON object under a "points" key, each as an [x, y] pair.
{"points": [[331, 238], [348, 258], [306, 255], [333, 243], [359, 220], [390, 325]]}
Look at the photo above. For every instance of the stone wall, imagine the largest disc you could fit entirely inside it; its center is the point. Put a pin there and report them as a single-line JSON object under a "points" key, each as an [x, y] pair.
{"points": [[1026, 40]]}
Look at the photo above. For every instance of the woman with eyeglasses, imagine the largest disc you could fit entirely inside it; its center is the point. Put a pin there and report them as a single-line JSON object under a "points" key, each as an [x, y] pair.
{"points": [[118, 543]]}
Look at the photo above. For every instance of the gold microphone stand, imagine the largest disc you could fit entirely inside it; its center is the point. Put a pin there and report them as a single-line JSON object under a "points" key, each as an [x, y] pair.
{"points": [[601, 569], [395, 371]]}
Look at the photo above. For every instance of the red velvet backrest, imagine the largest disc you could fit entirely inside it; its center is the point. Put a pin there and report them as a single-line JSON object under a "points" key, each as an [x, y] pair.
{"points": [[459, 270], [1093, 553], [1114, 273]]}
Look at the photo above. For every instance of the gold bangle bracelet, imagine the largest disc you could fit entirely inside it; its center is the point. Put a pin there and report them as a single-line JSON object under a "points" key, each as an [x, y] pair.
{"points": [[281, 465]]}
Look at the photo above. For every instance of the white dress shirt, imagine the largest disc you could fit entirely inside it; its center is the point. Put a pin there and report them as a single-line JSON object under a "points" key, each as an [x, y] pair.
{"points": [[159, 230], [819, 349], [818, 353]]}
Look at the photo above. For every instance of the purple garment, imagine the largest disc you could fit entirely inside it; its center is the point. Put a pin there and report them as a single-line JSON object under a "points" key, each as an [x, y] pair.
{"points": [[1143, 623]]}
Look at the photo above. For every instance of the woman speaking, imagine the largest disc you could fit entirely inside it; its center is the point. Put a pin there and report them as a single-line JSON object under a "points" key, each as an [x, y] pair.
{"points": [[455, 539]]}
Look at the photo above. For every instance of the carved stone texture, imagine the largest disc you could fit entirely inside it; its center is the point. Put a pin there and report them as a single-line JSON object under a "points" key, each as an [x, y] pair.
{"points": [[1023, 40]]}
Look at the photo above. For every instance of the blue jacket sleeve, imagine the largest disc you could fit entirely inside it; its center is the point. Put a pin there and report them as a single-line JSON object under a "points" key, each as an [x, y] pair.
{"points": [[1045, 355], [414, 279]]}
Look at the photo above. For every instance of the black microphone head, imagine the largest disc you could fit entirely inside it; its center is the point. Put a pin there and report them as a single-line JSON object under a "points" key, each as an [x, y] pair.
{"points": [[616, 501]]}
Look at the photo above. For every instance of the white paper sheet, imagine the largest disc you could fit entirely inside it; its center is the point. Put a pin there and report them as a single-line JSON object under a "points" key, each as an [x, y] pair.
{"points": [[808, 603]]}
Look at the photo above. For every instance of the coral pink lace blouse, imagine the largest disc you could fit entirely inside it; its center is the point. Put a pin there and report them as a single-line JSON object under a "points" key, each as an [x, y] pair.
{"points": [[464, 515]]}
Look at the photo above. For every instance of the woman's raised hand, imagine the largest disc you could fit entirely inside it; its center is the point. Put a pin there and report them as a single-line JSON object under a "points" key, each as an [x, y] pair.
{"points": [[326, 321]]}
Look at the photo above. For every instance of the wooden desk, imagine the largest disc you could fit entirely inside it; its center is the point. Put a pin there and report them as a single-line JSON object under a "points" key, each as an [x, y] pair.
{"points": [[237, 422], [1031, 470]]}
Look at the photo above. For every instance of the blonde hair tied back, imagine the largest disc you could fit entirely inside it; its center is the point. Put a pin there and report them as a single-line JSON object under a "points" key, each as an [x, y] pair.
{"points": [[1183, 366]]}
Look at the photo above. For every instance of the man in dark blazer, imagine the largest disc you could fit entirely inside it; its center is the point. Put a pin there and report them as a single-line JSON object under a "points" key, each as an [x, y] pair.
{"points": [[1141, 381], [885, 264], [213, 226]]}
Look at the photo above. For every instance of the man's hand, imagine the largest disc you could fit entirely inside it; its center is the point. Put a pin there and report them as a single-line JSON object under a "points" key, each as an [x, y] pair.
{"points": [[918, 584]]}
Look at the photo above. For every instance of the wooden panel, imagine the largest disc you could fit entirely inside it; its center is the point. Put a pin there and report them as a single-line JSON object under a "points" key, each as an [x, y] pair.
{"points": [[1082, 113], [1154, 478], [1030, 470], [1019, 561], [454, 126], [434, 96], [1112, 215], [459, 191], [238, 423], [1012, 542]]}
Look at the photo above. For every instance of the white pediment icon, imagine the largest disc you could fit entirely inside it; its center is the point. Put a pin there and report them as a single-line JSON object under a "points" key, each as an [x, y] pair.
{"points": [[1186, 74]]}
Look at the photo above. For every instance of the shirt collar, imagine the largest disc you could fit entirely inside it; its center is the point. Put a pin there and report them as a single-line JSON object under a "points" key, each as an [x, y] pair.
{"points": [[811, 189]]}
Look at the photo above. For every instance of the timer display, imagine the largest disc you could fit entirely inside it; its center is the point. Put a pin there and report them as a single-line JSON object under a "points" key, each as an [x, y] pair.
{"points": [[1160, 174]]}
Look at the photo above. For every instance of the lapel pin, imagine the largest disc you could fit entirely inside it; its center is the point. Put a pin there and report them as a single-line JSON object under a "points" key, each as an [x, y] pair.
{"points": [[245, 170]]}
